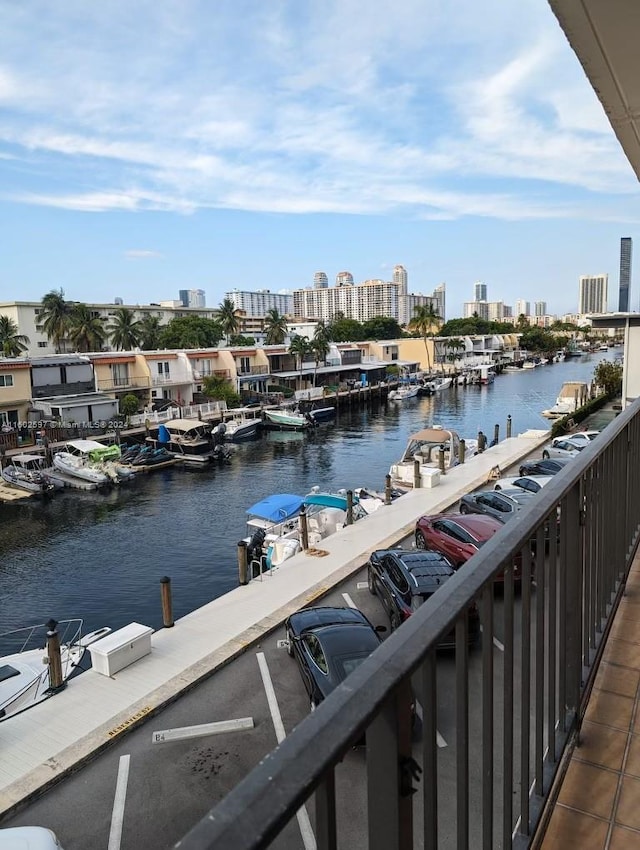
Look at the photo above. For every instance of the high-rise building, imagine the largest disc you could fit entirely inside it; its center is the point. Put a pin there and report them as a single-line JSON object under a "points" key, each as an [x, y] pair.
{"points": [[475, 308], [259, 303], [400, 277], [522, 308], [440, 300], [540, 308], [593, 293], [320, 280], [344, 279], [192, 298], [479, 291], [626, 245]]}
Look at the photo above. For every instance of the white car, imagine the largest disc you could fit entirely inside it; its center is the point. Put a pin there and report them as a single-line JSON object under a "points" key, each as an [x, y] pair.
{"points": [[28, 838], [531, 483], [580, 438], [562, 447]]}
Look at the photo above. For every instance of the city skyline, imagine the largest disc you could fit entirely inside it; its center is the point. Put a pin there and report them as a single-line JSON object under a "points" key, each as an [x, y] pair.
{"points": [[139, 167]]}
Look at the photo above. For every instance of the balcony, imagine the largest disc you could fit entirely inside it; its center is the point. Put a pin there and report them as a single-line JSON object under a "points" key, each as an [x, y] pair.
{"points": [[72, 388], [124, 383], [512, 708]]}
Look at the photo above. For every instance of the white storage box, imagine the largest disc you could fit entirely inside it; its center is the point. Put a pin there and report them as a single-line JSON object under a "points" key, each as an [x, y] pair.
{"points": [[430, 477], [121, 648]]}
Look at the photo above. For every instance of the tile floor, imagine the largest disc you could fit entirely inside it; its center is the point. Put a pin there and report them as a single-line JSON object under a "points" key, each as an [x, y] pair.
{"points": [[598, 807]]}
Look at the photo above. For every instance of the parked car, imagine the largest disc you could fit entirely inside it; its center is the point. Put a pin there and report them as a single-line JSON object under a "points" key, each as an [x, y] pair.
{"points": [[562, 448], [500, 504], [458, 536], [28, 838], [580, 438], [530, 483], [403, 580], [549, 466], [328, 643]]}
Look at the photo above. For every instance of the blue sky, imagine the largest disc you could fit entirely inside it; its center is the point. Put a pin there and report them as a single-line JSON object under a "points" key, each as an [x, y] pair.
{"points": [[149, 147]]}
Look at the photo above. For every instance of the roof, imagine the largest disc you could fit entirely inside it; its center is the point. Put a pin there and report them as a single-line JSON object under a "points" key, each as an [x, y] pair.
{"points": [[61, 360], [184, 424], [85, 445], [433, 435]]}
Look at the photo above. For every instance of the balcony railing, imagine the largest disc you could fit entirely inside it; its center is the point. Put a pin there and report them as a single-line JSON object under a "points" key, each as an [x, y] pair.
{"points": [[513, 705], [73, 388], [124, 383]]}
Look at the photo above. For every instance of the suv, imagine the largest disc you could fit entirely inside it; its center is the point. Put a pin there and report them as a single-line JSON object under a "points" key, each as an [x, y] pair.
{"points": [[403, 580]]}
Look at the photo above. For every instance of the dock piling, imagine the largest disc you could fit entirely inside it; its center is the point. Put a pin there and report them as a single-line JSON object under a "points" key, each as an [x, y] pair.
{"points": [[387, 489], [167, 605], [508, 426], [441, 460], [462, 448], [496, 435], [416, 474], [56, 681], [482, 442], [349, 507], [304, 529], [242, 562]]}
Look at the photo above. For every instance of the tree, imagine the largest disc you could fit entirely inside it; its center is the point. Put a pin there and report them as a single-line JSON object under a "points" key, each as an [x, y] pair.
{"points": [[299, 347], [219, 388], [424, 320], [12, 343], [523, 323], [129, 405], [55, 317], [609, 376], [320, 347], [86, 331], [150, 333], [239, 340], [125, 331], [275, 327], [345, 330], [190, 332], [381, 327], [227, 316]]}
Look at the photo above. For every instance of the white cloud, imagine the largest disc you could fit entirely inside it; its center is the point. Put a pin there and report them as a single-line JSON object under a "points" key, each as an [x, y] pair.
{"points": [[439, 110], [141, 254]]}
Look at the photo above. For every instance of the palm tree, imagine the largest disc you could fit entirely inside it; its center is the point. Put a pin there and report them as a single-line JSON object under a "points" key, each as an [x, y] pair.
{"points": [[125, 331], [12, 343], [299, 346], [86, 332], [227, 315], [55, 317], [320, 346], [424, 321], [275, 326], [150, 330]]}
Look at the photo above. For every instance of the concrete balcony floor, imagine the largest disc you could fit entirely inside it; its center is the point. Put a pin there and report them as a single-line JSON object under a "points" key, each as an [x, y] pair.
{"points": [[598, 805]]}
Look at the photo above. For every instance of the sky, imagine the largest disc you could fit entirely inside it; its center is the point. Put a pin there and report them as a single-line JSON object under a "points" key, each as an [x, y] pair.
{"points": [[161, 145]]}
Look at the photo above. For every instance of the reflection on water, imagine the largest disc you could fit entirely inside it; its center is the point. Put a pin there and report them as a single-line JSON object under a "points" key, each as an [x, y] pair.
{"points": [[101, 555]]}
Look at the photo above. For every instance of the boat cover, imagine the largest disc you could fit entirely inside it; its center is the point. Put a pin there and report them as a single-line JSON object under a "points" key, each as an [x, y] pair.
{"points": [[328, 500], [276, 508]]}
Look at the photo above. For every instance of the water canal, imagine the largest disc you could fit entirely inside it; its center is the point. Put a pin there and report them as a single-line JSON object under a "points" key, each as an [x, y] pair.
{"points": [[100, 556]]}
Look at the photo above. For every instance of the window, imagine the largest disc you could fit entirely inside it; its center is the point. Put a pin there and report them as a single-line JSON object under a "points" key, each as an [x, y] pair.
{"points": [[163, 368], [6, 380], [315, 651], [395, 574], [42, 344], [245, 365]]}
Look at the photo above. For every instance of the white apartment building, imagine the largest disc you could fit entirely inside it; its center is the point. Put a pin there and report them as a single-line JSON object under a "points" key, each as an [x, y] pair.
{"points": [[593, 294], [522, 308], [192, 298], [540, 308], [259, 303], [479, 291]]}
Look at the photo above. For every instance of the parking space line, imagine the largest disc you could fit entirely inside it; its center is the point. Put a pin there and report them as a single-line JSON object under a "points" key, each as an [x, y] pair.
{"points": [[117, 814], [349, 600], [183, 733], [440, 741], [308, 838]]}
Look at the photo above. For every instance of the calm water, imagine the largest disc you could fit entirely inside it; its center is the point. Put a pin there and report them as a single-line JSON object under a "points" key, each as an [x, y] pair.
{"points": [[101, 556]]}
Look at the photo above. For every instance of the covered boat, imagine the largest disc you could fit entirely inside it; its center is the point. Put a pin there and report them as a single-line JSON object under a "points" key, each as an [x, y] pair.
{"points": [[424, 446], [32, 481], [190, 440]]}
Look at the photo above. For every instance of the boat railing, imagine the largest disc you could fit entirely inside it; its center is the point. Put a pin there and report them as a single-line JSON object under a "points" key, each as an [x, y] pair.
{"points": [[34, 637], [513, 706]]}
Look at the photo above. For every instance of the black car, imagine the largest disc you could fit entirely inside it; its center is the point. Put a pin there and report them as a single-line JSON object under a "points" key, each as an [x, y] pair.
{"points": [[549, 466], [403, 580], [500, 504], [328, 643]]}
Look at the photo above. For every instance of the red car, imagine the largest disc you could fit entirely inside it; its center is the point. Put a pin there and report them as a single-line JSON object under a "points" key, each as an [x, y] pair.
{"points": [[458, 536]]}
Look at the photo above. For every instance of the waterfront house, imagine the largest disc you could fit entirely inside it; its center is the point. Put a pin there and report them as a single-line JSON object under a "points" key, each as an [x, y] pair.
{"points": [[122, 373], [15, 397]]}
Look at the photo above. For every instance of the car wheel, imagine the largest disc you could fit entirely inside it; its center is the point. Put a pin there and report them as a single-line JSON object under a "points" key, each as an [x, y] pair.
{"points": [[464, 509], [545, 455], [421, 543], [370, 582], [289, 643]]}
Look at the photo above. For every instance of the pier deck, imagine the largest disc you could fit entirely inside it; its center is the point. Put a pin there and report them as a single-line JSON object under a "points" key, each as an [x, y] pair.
{"points": [[42, 744]]}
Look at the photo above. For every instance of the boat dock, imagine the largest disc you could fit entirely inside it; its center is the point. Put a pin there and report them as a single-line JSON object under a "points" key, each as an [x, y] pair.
{"points": [[13, 494], [40, 746]]}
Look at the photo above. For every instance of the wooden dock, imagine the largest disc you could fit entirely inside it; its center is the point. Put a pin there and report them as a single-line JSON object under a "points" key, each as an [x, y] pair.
{"points": [[13, 494]]}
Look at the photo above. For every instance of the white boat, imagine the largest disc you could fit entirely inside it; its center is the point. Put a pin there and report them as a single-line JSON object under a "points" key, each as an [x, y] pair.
{"points": [[404, 392], [288, 420], [441, 384], [29, 480], [573, 394], [35, 463], [79, 467], [190, 440], [424, 446], [24, 668], [240, 428]]}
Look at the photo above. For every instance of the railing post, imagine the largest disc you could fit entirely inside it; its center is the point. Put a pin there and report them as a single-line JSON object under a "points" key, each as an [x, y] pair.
{"points": [[508, 426], [349, 507], [304, 529], [416, 474], [167, 606], [462, 448], [387, 490], [242, 562], [54, 660]]}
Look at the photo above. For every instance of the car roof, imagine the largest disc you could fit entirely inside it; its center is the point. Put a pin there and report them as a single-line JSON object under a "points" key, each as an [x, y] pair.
{"points": [[477, 524], [517, 494], [313, 618]]}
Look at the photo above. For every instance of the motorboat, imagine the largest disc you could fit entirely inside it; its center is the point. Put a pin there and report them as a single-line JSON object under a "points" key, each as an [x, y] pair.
{"points": [[573, 394], [404, 392], [79, 467], [24, 667], [268, 520], [32, 481], [424, 446], [441, 384], [321, 414], [237, 429], [188, 439], [288, 420], [36, 463], [92, 461]]}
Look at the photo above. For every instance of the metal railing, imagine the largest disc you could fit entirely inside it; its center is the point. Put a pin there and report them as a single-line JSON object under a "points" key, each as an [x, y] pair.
{"points": [[124, 382], [510, 707], [212, 409]]}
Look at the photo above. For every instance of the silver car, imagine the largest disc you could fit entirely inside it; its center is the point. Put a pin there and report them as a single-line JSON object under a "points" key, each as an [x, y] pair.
{"points": [[562, 448]]}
